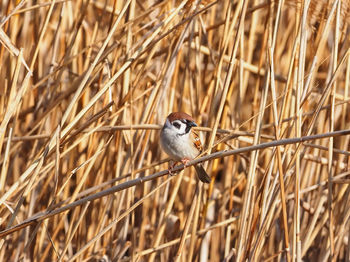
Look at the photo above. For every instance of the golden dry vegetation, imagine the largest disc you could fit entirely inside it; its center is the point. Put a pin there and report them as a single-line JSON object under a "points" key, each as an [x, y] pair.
{"points": [[86, 85]]}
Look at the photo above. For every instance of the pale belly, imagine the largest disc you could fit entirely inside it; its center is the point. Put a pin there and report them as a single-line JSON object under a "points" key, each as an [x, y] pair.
{"points": [[177, 147]]}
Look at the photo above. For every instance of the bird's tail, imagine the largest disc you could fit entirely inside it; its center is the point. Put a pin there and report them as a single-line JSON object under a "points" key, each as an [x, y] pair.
{"points": [[202, 174]]}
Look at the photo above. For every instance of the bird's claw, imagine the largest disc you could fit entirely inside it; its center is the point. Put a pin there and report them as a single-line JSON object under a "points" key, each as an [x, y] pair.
{"points": [[185, 162], [171, 168], [170, 172]]}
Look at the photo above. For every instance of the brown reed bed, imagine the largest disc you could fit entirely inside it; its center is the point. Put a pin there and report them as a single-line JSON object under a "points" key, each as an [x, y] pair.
{"points": [[86, 86]]}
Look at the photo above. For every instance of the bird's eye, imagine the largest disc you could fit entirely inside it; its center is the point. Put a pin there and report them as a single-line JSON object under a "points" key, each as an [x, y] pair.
{"points": [[177, 125]]}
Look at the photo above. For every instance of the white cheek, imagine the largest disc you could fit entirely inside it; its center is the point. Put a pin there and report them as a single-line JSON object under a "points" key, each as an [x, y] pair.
{"points": [[183, 129], [178, 129]]}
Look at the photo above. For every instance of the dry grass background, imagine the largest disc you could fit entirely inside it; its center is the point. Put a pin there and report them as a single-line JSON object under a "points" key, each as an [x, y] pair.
{"points": [[85, 86]]}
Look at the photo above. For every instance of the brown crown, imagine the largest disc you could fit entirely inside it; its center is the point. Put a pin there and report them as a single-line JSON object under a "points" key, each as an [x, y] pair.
{"points": [[179, 115]]}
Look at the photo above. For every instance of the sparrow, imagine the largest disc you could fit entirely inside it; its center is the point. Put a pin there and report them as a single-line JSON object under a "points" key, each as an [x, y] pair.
{"points": [[181, 143]]}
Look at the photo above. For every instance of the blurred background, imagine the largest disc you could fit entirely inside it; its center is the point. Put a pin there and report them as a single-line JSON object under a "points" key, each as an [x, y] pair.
{"points": [[86, 86]]}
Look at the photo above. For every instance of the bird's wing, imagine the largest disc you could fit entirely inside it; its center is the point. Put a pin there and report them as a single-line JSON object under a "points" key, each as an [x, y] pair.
{"points": [[196, 141]]}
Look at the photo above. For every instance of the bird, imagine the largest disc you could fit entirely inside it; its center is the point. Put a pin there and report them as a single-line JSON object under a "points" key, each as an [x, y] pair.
{"points": [[181, 143]]}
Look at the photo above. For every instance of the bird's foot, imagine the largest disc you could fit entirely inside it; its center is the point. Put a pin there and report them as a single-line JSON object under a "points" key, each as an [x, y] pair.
{"points": [[171, 168], [185, 161]]}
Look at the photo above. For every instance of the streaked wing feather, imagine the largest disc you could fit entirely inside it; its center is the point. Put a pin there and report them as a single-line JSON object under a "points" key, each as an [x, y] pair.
{"points": [[196, 141]]}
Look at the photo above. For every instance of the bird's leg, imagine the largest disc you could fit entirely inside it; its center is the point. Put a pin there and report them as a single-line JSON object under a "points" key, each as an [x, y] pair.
{"points": [[173, 164], [171, 167], [185, 161]]}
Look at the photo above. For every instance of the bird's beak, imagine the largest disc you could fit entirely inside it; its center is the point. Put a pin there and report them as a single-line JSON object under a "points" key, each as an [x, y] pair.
{"points": [[191, 124]]}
